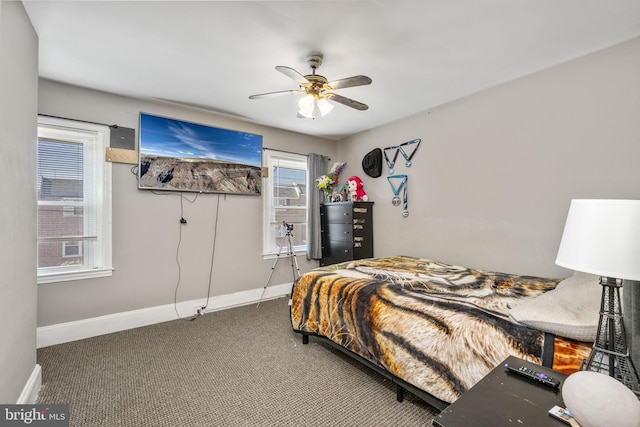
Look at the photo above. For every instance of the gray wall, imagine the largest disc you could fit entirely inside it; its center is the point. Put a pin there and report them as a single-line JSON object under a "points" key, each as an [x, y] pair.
{"points": [[146, 226], [490, 186], [492, 181], [18, 108]]}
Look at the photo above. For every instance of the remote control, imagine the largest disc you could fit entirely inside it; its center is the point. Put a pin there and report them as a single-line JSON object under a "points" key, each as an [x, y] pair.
{"points": [[534, 375], [562, 415]]}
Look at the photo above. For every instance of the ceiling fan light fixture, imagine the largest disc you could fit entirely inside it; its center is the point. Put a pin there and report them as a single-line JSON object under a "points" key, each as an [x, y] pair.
{"points": [[306, 105], [306, 102], [315, 88], [324, 106], [306, 114]]}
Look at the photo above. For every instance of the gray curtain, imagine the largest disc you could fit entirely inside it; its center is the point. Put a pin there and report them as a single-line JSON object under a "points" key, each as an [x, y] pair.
{"points": [[316, 165]]}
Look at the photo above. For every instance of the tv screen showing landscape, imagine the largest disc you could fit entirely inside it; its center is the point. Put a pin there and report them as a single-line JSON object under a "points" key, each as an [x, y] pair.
{"points": [[176, 155]]}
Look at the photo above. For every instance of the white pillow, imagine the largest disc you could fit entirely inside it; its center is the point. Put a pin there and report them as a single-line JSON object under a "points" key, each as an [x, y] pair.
{"points": [[571, 310]]}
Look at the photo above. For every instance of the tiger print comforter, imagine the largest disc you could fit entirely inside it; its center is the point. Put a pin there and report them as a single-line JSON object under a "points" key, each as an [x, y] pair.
{"points": [[438, 327]]}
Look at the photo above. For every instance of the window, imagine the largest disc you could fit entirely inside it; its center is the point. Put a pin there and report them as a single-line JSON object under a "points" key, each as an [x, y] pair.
{"points": [[72, 250], [74, 201], [285, 201]]}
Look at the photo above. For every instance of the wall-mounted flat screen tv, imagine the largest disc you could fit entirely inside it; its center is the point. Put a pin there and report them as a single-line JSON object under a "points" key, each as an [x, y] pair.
{"points": [[176, 155]]}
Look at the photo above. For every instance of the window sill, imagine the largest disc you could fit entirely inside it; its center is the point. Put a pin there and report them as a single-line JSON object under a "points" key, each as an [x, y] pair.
{"points": [[75, 275]]}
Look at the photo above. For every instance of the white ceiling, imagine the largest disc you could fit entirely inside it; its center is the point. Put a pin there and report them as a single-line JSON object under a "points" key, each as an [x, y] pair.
{"points": [[420, 54]]}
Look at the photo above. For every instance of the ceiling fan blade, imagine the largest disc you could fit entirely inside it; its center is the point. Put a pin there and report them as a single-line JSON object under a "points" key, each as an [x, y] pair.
{"points": [[290, 72], [347, 101], [350, 82], [282, 92]]}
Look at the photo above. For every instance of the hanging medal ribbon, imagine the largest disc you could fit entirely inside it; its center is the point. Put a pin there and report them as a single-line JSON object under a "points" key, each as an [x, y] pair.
{"points": [[408, 158], [396, 192], [391, 163], [405, 200]]}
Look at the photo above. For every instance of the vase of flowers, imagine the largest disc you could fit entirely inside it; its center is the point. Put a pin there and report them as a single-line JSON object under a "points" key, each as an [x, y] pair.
{"points": [[326, 183]]}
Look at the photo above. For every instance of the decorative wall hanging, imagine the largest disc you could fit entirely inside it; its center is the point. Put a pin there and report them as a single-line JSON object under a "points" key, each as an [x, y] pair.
{"points": [[395, 149], [408, 158], [372, 163], [396, 192], [391, 163]]}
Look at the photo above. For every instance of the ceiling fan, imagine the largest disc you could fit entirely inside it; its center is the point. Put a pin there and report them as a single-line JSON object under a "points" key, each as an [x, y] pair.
{"points": [[318, 89]]}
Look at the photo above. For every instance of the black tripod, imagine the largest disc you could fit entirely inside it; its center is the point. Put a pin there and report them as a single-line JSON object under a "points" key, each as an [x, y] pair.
{"points": [[290, 253]]}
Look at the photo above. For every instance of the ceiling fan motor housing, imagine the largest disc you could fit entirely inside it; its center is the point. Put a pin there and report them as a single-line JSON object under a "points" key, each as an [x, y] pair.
{"points": [[314, 60], [317, 84]]}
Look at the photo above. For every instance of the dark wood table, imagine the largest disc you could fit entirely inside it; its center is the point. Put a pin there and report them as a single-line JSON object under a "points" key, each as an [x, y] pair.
{"points": [[505, 399]]}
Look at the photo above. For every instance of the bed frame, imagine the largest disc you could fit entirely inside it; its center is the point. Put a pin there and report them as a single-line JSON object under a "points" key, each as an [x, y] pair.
{"points": [[401, 385]]}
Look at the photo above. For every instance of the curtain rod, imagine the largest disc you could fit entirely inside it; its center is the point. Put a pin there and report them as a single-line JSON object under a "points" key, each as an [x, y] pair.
{"points": [[288, 152], [77, 120]]}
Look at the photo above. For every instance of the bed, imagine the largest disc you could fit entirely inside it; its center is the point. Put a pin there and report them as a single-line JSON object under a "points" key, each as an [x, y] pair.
{"points": [[436, 329]]}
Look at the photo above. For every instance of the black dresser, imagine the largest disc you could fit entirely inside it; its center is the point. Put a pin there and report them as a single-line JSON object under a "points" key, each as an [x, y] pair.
{"points": [[347, 231]]}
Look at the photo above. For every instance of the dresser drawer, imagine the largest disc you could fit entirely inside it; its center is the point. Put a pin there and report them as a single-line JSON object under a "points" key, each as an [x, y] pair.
{"points": [[338, 213], [361, 210], [362, 248], [337, 231], [336, 251]]}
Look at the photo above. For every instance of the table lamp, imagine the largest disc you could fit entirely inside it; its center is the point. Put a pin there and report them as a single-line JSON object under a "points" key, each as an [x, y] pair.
{"points": [[602, 237]]}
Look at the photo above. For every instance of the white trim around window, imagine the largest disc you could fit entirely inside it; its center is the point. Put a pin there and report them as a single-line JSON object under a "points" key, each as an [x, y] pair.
{"points": [[73, 176], [284, 200]]}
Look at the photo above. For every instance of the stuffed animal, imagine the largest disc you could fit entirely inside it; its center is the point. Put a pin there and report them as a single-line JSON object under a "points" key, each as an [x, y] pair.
{"points": [[356, 190]]}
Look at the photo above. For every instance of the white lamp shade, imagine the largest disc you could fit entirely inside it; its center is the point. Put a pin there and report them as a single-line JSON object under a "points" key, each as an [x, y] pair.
{"points": [[324, 106], [306, 104], [602, 237]]}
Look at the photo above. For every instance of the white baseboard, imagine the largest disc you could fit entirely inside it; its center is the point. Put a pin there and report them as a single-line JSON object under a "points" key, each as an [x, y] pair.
{"points": [[31, 388], [87, 328]]}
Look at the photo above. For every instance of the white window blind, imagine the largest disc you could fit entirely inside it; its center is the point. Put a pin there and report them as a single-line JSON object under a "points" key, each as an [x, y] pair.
{"points": [[74, 200]]}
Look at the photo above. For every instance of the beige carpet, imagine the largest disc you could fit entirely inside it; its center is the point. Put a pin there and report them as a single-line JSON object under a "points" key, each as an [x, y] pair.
{"points": [[237, 367]]}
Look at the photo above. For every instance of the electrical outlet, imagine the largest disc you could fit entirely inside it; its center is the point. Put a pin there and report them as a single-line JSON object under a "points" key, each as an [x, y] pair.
{"points": [[199, 310]]}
